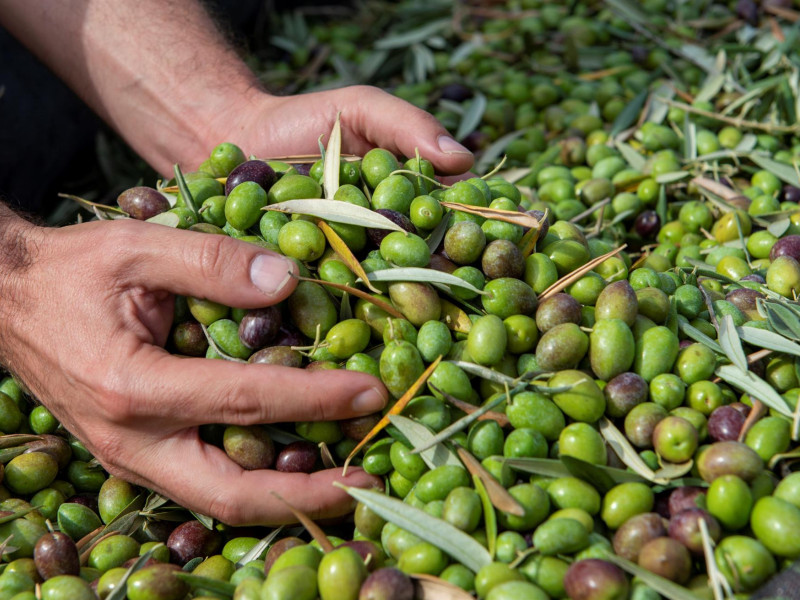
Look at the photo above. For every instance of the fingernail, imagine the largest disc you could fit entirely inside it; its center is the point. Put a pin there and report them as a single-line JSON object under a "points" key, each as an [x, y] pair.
{"points": [[369, 401], [270, 273], [449, 146]]}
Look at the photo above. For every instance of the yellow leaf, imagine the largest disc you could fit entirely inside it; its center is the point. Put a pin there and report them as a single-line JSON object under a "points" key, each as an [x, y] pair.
{"points": [[497, 214], [395, 410], [344, 252], [578, 273], [455, 318]]}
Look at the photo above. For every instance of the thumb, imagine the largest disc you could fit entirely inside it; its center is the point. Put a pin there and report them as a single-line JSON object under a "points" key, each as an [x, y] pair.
{"points": [[213, 267], [394, 124]]}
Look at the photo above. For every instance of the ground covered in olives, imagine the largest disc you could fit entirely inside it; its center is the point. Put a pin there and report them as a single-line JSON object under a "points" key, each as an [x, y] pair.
{"points": [[592, 345]]}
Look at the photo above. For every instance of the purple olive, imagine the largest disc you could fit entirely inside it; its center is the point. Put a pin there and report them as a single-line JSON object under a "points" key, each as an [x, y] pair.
{"points": [[685, 528], [259, 327], [190, 540], [457, 92], [387, 584], [142, 202], [277, 355], [279, 548], [636, 532], [251, 170], [790, 193], [685, 497], [786, 246], [56, 554], [725, 423], [595, 579], [647, 224], [297, 457], [357, 428], [189, 339]]}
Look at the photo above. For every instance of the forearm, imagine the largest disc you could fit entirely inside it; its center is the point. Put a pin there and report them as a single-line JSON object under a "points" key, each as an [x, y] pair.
{"points": [[158, 71]]}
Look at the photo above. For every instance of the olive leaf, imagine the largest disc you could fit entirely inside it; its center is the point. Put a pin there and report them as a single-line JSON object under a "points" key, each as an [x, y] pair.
{"points": [[782, 171], [781, 319], [719, 585], [428, 587], [461, 546], [498, 495], [489, 515], [597, 477], [256, 550], [770, 340], [417, 435], [507, 216], [459, 425], [188, 199], [546, 467], [697, 335], [336, 211], [472, 116], [110, 212], [330, 169], [383, 305], [665, 587], [437, 235], [730, 342], [672, 177], [628, 116], [205, 520], [281, 435], [634, 159], [493, 152], [344, 252], [421, 275], [753, 385], [415, 36], [121, 589], [572, 277], [207, 584], [165, 218], [627, 454], [395, 410]]}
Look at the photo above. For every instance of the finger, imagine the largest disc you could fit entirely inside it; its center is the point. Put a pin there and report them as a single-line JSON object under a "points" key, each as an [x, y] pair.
{"points": [[394, 124], [186, 392], [215, 267], [202, 478]]}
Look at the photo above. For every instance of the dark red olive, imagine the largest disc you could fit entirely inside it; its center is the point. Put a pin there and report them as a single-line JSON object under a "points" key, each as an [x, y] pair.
{"points": [[56, 554], [747, 10], [685, 528], [190, 540], [636, 532], [302, 168], [358, 427], [297, 457], [387, 584], [754, 277], [786, 246], [544, 224], [251, 170], [439, 262], [725, 423], [595, 579], [647, 224], [685, 497], [259, 327], [142, 202]]}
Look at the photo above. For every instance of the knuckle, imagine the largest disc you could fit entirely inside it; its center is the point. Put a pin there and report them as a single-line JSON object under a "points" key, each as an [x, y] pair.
{"points": [[209, 257], [221, 506]]}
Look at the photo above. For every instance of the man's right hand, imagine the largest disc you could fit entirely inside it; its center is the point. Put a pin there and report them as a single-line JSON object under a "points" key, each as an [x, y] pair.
{"points": [[85, 311]]}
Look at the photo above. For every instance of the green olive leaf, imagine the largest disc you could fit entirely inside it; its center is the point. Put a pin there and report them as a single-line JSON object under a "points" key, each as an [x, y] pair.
{"points": [[472, 116], [601, 480], [421, 275], [546, 467], [101, 210], [719, 585], [633, 157], [418, 435], [165, 218], [489, 515], [697, 335], [665, 587], [768, 340], [336, 211], [627, 454], [756, 387], [628, 116], [256, 550], [120, 591], [461, 546], [495, 150], [185, 193], [782, 171], [208, 584], [333, 155], [731, 343]]}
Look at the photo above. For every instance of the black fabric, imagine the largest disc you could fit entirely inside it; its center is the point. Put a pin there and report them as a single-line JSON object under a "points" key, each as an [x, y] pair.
{"points": [[47, 134]]}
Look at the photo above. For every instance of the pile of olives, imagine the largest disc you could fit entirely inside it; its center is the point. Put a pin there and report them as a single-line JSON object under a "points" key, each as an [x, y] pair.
{"points": [[620, 359]]}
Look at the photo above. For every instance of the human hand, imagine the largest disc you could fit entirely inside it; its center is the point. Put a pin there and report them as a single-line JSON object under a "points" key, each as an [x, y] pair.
{"points": [[271, 126], [84, 318]]}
